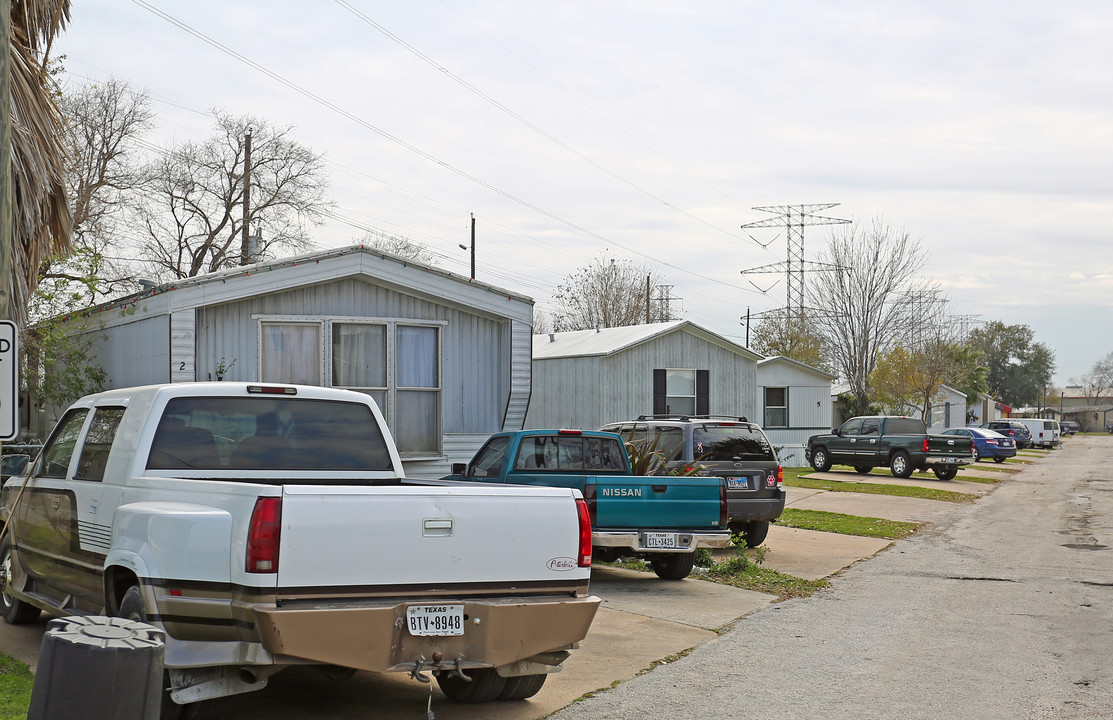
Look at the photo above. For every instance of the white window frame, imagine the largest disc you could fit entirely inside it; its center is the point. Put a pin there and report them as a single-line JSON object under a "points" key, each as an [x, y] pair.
{"points": [[766, 406], [695, 391], [324, 356]]}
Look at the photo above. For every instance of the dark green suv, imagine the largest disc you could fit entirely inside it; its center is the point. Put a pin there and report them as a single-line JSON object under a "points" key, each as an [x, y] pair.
{"points": [[722, 446]]}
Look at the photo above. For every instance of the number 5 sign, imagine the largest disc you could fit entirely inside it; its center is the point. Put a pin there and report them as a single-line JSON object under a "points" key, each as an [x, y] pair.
{"points": [[9, 380]]}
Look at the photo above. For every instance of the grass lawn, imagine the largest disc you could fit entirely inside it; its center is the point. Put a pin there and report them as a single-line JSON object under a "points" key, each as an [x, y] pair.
{"points": [[847, 524], [794, 480], [15, 688], [742, 570]]}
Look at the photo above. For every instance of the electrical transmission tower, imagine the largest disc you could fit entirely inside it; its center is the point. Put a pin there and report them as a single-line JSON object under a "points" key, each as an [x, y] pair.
{"points": [[794, 218]]}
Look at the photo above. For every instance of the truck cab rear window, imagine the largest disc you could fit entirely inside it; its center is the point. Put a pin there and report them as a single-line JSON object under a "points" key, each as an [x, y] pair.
{"points": [[267, 433], [569, 453]]}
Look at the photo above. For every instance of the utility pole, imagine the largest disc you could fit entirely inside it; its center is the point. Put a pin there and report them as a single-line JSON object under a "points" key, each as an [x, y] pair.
{"points": [[647, 300], [245, 237], [472, 245], [794, 218]]}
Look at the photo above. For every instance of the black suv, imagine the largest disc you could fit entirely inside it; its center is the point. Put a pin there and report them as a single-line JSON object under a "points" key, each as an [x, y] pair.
{"points": [[729, 447], [1011, 428]]}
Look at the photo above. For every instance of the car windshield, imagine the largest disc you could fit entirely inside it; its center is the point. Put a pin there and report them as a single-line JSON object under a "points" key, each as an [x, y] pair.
{"points": [[256, 433], [730, 442]]}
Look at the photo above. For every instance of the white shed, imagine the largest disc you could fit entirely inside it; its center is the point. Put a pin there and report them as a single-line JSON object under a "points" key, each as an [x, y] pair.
{"points": [[947, 410], [586, 378], [795, 404], [447, 358]]}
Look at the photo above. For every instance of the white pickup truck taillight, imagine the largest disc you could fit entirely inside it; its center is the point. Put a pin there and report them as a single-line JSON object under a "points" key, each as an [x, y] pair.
{"points": [[263, 535], [584, 554]]}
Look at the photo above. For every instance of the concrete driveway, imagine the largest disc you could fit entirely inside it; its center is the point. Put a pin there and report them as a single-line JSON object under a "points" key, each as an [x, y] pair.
{"points": [[643, 620]]}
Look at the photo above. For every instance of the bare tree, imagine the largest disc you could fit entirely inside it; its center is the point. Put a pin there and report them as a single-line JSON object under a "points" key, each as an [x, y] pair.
{"points": [[608, 293], [190, 211], [397, 246], [104, 125], [857, 307], [1098, 381]]}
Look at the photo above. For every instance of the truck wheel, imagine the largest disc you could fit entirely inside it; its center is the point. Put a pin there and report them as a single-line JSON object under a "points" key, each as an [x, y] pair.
{"points": [[754, 532], [945, 472], [899, 465], [673, 566], [132, 608], [522, 687], [821, 460], [862, 469], [14, 611], [486, 685]]}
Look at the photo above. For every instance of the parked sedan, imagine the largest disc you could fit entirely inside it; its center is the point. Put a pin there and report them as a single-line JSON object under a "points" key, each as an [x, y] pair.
{"points": [[987, 443]]}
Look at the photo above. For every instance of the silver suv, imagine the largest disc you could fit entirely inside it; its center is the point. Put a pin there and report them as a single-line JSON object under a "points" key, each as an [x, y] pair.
{"points": [[729, 447]]}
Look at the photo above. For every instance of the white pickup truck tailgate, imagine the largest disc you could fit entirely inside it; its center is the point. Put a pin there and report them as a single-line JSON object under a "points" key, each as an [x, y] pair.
{"points": [[410, 537]]}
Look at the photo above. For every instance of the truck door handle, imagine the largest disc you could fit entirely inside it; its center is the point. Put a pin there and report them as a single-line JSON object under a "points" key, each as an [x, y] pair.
{"points": [[660, 488], [437, 527], [57, 502]]}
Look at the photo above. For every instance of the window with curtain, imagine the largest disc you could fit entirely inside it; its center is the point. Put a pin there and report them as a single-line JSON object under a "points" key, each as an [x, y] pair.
{"points": [[417, 390], [359, 360], [776, 407], [291, 353]]}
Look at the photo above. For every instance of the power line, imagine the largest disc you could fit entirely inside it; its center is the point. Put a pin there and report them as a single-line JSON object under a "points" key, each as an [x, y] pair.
{"points": [[413, 148]]}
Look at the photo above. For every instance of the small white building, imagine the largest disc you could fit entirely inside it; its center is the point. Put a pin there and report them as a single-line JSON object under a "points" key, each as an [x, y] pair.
{"points": [[587, 378], [947, 409], [986, 408], [795, 404]]}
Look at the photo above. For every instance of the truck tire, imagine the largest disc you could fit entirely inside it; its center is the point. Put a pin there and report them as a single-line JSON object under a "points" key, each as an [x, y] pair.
{"points": [[14, 611], [945, 472], [486, 685], [821, 459], [673, 566], [522, 687], [132, 608], [899, 465], [754, 532], [862, 469]]}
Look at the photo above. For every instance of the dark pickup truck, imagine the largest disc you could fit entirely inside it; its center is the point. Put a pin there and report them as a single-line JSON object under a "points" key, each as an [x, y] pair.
{"points": [[900, 443], [662, 518]]}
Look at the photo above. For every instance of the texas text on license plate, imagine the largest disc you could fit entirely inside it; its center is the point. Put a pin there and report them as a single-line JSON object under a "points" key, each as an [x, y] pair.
{"points": [[435, 620], [738, 483], [660, 540]]}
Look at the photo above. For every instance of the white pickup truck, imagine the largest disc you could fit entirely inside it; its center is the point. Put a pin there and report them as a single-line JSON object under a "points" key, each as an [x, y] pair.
{"points": [[264, 526]]}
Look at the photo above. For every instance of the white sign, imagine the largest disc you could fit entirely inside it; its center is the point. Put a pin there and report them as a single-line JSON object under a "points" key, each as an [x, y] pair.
{"points": [[9, 380]]}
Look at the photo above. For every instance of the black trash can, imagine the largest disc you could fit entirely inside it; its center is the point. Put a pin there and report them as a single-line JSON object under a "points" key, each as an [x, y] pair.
{"points": [[98, 668]]}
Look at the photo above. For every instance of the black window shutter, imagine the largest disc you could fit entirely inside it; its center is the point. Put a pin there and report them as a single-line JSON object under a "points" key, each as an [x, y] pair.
{"points": [[703, 391], [660, 393]]}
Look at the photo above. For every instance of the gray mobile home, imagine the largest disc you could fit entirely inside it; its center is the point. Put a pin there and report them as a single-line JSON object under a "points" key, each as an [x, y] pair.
{"points": [[585, 378], [447, 358]]}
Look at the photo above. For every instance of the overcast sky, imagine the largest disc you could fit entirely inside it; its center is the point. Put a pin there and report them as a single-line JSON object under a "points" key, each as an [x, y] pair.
{"points": [[649, 130]]}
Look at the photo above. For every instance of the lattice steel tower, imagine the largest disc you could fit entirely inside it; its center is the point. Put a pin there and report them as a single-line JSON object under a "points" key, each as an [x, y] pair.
{"points": [[793, 218]]}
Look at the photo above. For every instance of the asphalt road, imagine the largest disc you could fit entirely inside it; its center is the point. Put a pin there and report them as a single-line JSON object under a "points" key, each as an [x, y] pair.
{"points": [[1002, 610]]}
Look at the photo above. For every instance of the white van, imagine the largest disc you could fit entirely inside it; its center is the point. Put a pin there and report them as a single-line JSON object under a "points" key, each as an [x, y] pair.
{"points": [[1045, 432]]}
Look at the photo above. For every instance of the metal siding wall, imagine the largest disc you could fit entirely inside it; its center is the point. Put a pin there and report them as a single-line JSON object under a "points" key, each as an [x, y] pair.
{"points": [[587, 392], [474, 374], [567, 393], [520, 374], [733, 377], [183, 346], [790, 445], [136, 353]]}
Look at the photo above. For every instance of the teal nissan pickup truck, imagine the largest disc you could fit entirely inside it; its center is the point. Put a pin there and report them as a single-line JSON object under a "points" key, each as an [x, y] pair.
{"points": [[900, 443], [661, 518]]}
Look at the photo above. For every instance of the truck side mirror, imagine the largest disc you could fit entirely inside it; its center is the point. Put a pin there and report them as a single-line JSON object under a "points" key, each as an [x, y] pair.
{"points": [[836, 432], [459, 468]]}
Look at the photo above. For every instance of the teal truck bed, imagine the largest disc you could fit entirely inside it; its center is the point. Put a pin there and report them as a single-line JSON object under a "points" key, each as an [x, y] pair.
{"points": [[662, 518]]}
